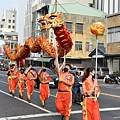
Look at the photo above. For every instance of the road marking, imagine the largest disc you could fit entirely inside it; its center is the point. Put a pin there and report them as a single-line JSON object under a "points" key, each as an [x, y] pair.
{"points": [[111, 95], [45, 110], [3, 75], [49, 113], [55, 96], [3, 82], [53, 114], [117, 117], [25, 88]]}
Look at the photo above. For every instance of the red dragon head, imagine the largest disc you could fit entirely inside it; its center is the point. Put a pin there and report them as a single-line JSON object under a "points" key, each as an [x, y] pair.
{"points": [[51, 21]]}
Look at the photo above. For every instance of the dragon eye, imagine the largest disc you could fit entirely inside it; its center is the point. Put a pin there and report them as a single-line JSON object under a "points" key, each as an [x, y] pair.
{"points": [[52, 16]]}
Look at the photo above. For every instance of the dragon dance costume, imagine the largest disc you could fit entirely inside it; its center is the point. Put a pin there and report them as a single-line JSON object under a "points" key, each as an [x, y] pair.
{"points": [[90, 108]]}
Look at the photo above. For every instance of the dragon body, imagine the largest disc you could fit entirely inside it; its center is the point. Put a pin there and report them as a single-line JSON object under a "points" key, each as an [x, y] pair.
{"points": [[63, 41]]}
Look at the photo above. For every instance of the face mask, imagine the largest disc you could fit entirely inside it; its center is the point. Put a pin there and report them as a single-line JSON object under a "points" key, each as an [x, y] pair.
{"points": [[22, 72], [65, 69], [43, 70]]}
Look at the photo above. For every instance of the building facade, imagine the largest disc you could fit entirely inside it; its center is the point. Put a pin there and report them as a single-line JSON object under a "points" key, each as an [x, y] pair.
{"points": [[112, 9], [25, 24], [8, 21], [84, 41], [113, 44], [84, 2], [107, 6], [78, 24], [8, 32]]}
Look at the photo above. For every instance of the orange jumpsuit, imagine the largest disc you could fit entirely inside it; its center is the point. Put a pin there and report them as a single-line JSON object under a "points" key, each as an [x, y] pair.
{"points": [[14, 79], [64, 95], [30, 82], [9, 80], [44, 85], [90, 108], [21, 83]]}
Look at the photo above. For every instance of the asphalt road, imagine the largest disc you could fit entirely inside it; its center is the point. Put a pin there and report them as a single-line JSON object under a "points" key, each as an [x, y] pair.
{"points": [[16, 108]]}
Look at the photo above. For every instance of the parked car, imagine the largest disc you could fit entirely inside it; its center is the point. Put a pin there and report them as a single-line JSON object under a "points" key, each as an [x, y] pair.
{"points": [[4, 64], [74, 69], [102, 72], [53, 82]]}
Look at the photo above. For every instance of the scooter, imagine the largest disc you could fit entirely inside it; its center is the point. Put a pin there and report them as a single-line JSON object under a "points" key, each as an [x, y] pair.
{"points": [[112, 78]]}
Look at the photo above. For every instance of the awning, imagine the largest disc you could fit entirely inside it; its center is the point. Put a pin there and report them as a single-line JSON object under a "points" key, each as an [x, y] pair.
{"points": [[98, 56], [42, 59]]}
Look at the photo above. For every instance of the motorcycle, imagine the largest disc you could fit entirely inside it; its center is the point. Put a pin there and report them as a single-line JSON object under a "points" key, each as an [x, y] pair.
{"points": [[112, 78]]}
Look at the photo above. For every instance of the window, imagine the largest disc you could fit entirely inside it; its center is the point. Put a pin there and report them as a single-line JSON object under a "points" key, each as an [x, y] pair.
{"points": [[9, 21], [13, 15], [1, 26], [102, 5], [3, 19], [13, 21], [78, 45], [108, 7], [89, 46], [114, 34], [69, 26], [90, 5], [9, 26], [100, 44], [79, 27], [118, 5], [49, 72], [13, 27]]}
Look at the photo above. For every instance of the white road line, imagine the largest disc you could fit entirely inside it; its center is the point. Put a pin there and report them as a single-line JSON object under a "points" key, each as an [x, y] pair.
{"points": [[3, 82], [29, 116], [49, 112], [117, 117], [45, 110], [53, 114], [110, 109], [25, 88]]}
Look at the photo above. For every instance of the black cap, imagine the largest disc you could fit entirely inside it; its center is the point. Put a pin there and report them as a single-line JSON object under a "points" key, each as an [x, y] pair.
{"points": [[12, 65]]}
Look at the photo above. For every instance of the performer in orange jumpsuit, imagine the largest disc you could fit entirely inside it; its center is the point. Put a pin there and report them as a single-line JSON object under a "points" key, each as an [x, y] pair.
{"points": [[13, 78], [91, 91], [21, 83], [64, 94], [31, 76], [9, 80], [44, 85]]}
